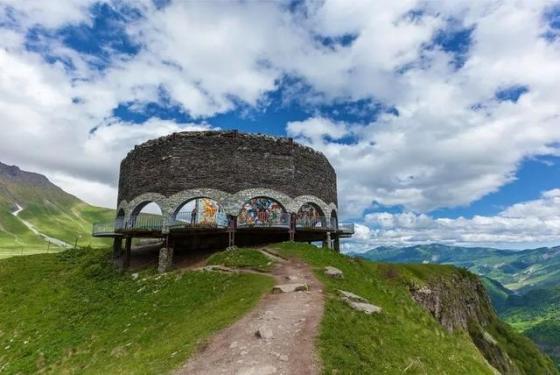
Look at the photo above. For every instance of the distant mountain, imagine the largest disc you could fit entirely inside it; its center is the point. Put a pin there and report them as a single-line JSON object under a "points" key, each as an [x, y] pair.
{"points": [[516, 270], [36, 215], [524, 286]]}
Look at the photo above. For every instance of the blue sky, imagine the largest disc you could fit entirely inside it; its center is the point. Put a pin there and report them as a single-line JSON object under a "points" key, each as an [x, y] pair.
{"points": [[441, 120]]}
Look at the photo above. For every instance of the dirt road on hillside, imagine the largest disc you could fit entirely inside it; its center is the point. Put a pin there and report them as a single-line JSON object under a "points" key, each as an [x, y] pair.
{"points": [[291, 319]]}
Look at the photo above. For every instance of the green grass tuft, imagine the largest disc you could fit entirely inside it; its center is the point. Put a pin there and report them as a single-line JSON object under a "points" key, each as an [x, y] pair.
{"points": [[404, 338], [73, 313], [242, 258]]}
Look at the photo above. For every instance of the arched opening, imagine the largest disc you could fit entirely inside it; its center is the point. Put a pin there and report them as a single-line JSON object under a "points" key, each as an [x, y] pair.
{"points": [[334, 220], [263, 211], [310, 215], [119, 219], [146, 216], [200, 212]]}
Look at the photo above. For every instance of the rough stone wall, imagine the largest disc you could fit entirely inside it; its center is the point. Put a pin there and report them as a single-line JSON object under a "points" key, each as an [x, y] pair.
{"points": [[226, 161]]}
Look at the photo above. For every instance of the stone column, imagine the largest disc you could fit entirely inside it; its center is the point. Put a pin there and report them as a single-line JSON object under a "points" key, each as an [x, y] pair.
{"points": [[327, 244], [165, 259]]}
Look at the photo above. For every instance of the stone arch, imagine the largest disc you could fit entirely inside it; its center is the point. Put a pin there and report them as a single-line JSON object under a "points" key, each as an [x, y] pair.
{"points": [[123, 205], [136, 205], [176, 201], [235, 202], [119, 218], [263, 211], [299, 201], [333, 220], [311, 215]]}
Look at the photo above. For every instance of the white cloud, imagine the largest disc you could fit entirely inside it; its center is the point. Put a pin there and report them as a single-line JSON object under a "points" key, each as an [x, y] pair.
{"points": [[530, 223], [211, 58]]}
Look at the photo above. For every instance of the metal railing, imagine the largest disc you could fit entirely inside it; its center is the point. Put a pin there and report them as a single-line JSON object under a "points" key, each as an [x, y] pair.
{"points": [[346, 228], [188, 220], [266, 221], [103, 228], [145, 223], [318, 222], [156, 223]]}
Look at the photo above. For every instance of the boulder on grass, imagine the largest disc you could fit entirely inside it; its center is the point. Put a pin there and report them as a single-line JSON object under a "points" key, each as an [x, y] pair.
{"points": [[359, 303], [333, 272]]}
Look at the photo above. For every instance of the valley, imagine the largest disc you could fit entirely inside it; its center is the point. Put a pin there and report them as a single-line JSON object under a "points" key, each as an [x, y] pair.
{"points": [[37, 216], [523, 285]]}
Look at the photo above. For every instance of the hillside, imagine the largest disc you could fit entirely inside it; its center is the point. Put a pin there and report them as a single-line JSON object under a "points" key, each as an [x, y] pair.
{"points": [[523, 285], [45, 213], [72, 312], [516, 270]]}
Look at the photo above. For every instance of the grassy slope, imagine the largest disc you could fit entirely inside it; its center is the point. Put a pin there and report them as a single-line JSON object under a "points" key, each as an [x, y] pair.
{"points": [[537, 315], [65, 223], [72, 313], [534, 273], [517, 270], [242, 258], [404, 338]]}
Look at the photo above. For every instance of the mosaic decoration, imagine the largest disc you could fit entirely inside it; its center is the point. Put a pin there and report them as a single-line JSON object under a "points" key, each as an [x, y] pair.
{"points": [[309, 216], [202, 211], [262, 211]]}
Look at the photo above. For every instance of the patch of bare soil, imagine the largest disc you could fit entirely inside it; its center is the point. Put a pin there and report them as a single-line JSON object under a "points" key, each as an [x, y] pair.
{"points": [[287, 324]]}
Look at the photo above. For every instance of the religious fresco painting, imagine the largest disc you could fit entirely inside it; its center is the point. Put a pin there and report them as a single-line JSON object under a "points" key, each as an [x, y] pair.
{"points": [[262, 211], [309, 216]]}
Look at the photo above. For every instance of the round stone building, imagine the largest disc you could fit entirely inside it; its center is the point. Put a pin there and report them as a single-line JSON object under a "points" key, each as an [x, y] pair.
{"points": [[223, 188]]}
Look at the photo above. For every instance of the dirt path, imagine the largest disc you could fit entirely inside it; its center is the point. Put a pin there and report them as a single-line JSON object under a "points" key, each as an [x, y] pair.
{"points": [[31, 227], [292, 319]]}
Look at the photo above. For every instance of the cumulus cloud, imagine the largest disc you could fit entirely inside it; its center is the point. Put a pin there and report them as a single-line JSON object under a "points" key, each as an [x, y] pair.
{"points": [[452, 125], [530, 223]]}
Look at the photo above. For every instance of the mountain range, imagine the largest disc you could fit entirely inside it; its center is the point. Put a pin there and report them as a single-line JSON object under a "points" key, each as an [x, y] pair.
{"points": [[524, 285], [38, 216]]}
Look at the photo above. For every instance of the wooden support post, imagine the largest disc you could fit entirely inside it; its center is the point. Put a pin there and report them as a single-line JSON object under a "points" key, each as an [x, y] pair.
{"points": [[117, 248], [336, 243], [127, 249], [232, 226], [292, 230]]}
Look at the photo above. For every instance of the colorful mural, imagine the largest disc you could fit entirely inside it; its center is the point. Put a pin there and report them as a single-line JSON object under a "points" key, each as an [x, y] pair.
{"points": [[202, 211], [262, 211], [309, 216]]}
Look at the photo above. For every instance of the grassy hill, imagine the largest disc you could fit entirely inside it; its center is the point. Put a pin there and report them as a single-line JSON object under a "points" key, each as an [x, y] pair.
{"points": [[523, 285], [516, 270], [71, 312], [48, 208]]}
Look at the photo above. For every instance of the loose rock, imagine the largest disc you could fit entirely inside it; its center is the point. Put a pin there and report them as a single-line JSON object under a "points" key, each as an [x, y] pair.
{"points": [[333, 272], [264, 333], [351, 296], [288, 288], [262, 370], [359, 303]]}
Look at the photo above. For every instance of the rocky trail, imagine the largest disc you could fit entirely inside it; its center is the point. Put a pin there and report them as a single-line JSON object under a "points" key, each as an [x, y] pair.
{"points": [[276, 337]]}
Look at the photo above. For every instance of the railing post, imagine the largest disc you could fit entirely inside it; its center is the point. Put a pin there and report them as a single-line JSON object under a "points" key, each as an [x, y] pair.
{"points": [[292, 230]]}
